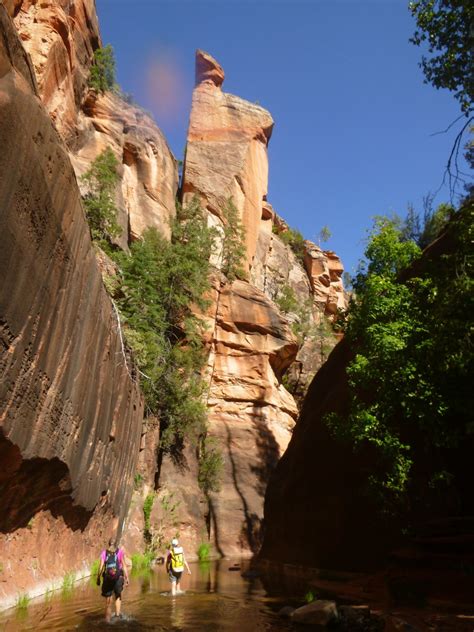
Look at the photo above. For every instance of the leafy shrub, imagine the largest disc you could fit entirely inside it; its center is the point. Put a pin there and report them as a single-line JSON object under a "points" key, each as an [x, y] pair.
{"points": [[142, 561], [211, 464], [410, 382], [203, 551], [101, 211], [295, 240], [137, 481], [286, 300], [102, 73], [147, 507], [233, 247], [162, 285]]}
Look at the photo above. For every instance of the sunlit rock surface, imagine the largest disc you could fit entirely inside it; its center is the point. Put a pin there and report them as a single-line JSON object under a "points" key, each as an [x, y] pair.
{"points": [[70, 412], [226, 152]]}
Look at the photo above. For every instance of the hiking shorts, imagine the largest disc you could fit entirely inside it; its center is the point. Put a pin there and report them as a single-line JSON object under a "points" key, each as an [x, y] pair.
{"points": [[112, 586], [175, 576]]}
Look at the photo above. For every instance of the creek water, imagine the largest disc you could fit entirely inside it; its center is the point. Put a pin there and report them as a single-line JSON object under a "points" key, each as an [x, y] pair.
{"points": [[215, 598]]}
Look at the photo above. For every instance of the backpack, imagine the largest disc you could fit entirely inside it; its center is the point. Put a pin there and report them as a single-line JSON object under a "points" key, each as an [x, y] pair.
{"points": [[177, 558], [112, 567]]}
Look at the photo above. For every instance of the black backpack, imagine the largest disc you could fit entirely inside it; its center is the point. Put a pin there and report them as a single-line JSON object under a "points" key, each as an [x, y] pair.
{"points": [[111, 569]]}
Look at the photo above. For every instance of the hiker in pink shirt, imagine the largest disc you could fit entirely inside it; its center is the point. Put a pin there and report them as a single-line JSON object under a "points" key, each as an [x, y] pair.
{"points": [[113, 571]]}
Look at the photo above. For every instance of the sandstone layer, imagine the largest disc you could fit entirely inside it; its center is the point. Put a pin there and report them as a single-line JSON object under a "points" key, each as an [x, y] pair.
{"points": [[70, 412], [61, 38], [226, 151]]}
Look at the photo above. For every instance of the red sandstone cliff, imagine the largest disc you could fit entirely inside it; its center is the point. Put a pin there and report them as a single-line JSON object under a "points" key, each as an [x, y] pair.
{"points": [[70, 412], [251, 344]]}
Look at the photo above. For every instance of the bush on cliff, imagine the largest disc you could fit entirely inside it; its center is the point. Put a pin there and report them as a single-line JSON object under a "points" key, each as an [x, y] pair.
{"points": [[410, 381], [102, 73], [101, 211], [162, 285], [233, 244]]}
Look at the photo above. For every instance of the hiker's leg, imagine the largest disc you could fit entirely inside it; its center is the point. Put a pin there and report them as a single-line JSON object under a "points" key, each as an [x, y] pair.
{"points": [[108, 608], [118, 605]]}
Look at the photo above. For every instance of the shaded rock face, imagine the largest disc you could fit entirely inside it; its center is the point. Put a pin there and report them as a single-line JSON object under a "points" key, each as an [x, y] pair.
{"points": [[251, 414], [61, 37], [70, 413], [226, 152], [314, 503]]}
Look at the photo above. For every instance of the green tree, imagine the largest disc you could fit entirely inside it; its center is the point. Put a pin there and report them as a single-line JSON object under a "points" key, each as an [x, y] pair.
{"points": [[324, 235], [295, 240], [101, 211], [211, 464], [102, 72], [233, 246], [447, 28], [162, 285], [410, 381]]}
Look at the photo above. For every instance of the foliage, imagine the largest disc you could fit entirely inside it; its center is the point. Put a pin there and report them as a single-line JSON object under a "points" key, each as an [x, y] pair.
{"points": [[137, 481], [310, 596], [425, 229], [23, 601], [446, 27], [295, 240], [162, 285], [68, 582], [147, 507], [324, 234], [347, 280], [286, 299], [409, 381], [94, 569], [233, 246], [203, 551], [101, 212], [142, 561], [211, 464], [102, 73]]}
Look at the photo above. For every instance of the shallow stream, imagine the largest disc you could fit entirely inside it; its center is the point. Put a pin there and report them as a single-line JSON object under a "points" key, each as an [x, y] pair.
{"points": [[215, 599]]}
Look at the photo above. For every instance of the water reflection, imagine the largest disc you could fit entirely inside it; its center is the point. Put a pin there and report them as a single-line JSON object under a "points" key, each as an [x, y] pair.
{"points": [[216, 598]]}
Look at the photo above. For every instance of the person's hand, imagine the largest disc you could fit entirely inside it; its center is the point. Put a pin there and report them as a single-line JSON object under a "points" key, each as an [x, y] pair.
{"points": [[127, 582], [189, 572]]}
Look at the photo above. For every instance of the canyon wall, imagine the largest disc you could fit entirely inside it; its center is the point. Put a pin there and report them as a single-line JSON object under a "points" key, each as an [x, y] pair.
{"points": [[70, 410], [251, 342]]}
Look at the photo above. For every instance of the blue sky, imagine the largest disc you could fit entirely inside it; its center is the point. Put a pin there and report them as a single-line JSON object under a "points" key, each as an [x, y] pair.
{"points": [[353, 118]]}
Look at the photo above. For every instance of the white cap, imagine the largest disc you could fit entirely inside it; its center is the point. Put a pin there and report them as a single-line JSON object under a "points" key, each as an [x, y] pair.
{"points": [[174, 542]]}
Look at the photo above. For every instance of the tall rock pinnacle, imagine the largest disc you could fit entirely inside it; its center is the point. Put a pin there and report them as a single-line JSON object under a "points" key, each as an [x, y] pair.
{"points": [[226, 153], [208, 69]]}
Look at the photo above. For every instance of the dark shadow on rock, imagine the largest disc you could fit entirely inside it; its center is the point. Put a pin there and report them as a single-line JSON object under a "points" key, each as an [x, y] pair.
{"points": [[28, 486], [252, 526], [268, 450]]}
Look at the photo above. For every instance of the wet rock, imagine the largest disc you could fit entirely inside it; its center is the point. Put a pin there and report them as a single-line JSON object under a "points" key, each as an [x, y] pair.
{"points": [[286, 612], [319, 612]]}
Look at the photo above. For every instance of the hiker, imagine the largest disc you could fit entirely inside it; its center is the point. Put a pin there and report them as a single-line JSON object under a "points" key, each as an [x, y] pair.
{"points": [[113, 571], [175, 563]]}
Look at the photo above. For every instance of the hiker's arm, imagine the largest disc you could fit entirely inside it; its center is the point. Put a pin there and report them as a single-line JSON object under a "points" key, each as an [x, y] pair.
{"points": [[101, 570], [186, 564], [124, 566]]}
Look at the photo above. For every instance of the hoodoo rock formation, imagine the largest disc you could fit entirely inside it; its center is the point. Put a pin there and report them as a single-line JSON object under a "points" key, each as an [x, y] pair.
{"points": [[226, 151], [70, 412]]}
